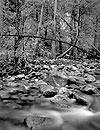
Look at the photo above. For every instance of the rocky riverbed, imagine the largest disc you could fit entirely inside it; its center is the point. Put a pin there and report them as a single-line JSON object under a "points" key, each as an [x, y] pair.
{"points": [[54, 85]]}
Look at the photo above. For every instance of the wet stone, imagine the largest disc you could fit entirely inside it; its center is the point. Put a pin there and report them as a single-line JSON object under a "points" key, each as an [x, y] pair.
{"points": [[11, 84], [25, 94], [73, 86], [71, 80], [13, 105], [20, 102], [33, 93], [97, 84], [89, 89], [49, 93], [97, 72], [6, 101], [4, 94], [13, 91], [31, 98], [1, 87], [37, 122], [24, 98], [45, 87], [20, 95], [63, 90], [21, 91], [89, 78], [14, 97], [62, 100]]}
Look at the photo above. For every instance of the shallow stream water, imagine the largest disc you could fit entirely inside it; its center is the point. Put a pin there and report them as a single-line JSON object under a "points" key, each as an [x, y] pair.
{"points": [[15, 119]]}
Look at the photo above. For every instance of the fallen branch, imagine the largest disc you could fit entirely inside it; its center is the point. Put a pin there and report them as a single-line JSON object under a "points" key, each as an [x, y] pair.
{"points": [[65, 53], [50, 40], [68, 24], [96, 49]]}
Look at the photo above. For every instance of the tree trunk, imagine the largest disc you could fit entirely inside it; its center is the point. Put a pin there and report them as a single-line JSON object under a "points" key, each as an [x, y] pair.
{"points": [[39, 27], [17, 28], [95, 33], [60, 43], [1, 20], [76, 24], [54, 43]]}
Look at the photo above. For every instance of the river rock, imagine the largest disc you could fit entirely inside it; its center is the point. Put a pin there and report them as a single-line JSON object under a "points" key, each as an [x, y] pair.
{"points": [[43, 88], [64, 90], [89, 89], [38, 122], [71, 80], [97, 84], [49, 93], [89, 78], [62, 101], [97, 72]]}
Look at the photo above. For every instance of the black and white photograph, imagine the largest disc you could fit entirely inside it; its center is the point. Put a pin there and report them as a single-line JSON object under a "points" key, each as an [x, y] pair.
{"points": [[49, 64]]}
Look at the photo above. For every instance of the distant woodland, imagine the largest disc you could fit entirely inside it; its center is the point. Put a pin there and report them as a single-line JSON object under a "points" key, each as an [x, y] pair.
{"points": [[49, 28]]}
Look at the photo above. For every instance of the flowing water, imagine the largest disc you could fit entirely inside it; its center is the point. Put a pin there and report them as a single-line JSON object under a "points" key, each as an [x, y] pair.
{"points": [[61, 119], [54, 118]]}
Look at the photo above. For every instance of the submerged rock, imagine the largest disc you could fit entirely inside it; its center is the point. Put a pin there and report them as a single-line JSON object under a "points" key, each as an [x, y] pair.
{"points": [[38, 122]]}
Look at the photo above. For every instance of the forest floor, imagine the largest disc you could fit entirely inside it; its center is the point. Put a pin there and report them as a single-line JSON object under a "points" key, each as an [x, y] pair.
{"points": [[50, 84]]}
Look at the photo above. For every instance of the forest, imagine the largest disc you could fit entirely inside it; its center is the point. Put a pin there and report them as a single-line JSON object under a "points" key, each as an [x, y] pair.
{"points": [[49, 63]]}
